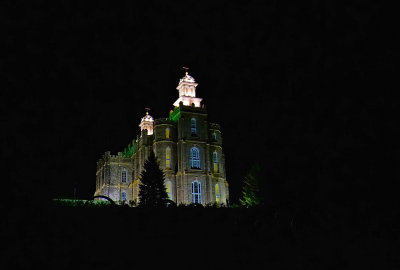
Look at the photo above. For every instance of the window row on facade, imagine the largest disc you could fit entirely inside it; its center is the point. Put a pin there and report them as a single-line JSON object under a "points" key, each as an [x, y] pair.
{"points": [[196, 192], [194, 162], [193, 129], [194, 159]]}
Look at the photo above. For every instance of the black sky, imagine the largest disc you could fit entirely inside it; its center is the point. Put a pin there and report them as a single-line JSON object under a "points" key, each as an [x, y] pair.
{"points": [[295, 86]]}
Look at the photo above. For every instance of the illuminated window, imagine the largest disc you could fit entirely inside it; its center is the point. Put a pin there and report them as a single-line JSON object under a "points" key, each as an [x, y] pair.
{"points": [[123, 176], [215, 161], [196, 192], [195, 157], [217, 194], [193, 126], [167, 133], [214, 136], [123, 196], [168, 158], [169, 189]]}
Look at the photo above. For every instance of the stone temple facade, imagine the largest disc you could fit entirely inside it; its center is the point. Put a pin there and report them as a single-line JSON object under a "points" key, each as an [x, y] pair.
{"points": [[189, 150]]}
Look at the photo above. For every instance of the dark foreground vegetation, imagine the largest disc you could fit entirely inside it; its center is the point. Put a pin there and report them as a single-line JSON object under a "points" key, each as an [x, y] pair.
{"points": [[117, 237]]}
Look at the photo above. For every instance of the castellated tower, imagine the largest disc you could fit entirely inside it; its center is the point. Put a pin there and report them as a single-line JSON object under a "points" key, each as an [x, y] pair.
{"points": [[189, 150]]}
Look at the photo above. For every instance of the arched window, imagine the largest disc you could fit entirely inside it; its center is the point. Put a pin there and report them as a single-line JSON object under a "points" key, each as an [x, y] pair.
{"points": [[217, 194], [123, 176], [168, 158], [214, 136], [196, 192], [195, 157], [215, 161], [169, 189], [193, 126], [167, 133], [123, 196]]}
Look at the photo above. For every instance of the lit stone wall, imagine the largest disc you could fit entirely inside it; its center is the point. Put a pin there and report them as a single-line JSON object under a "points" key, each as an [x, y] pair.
{"points": [[181, 175], [110, 174]]}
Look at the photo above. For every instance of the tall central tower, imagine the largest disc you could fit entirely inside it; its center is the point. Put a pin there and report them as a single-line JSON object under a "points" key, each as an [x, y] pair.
{"points": [[187, 146], [187, 92]]}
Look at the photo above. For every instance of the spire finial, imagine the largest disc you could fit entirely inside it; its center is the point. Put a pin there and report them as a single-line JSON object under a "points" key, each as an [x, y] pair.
{"points": [[186, 69], [147, 110]]}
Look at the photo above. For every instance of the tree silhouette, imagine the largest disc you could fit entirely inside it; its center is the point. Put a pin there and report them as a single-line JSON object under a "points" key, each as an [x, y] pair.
{"points": [[251, 188], [152, 191]]}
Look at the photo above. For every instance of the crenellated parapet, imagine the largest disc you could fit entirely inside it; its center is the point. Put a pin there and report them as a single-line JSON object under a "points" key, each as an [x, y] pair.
{"points": [[194, 109], [120, 159], [107, 158], [164, 121]]}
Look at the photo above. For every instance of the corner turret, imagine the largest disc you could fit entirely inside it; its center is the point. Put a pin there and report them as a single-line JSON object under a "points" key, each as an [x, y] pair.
{"points": [[146, 123]]}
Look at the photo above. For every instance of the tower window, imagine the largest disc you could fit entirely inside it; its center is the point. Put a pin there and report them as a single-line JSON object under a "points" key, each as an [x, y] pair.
{"points": [[123, 196], [195, 158], [215, 162], [193, 126], [167, 133], [168, 158], [214, 136], [169, 189], [123, 176], [217, 194], [196, 192]]}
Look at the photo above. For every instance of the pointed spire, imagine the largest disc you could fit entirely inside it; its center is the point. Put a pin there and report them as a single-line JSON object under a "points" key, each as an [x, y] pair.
{"points": [[186, 70]]}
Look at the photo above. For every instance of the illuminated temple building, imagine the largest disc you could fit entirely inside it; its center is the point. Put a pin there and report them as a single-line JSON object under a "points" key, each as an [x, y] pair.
{"points": [[187, 146]]}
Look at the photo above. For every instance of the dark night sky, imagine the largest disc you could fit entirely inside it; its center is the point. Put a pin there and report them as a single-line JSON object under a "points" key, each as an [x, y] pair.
{"points": [[297, 87]]}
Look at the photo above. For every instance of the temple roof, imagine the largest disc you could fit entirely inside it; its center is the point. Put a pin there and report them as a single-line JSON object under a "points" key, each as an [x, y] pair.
{"points": [[187, 78], [147, 118]]}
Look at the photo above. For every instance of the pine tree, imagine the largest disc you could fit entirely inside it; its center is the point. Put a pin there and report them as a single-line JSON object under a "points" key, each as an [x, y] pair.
{"points": [[152, 192], [251, 188]]}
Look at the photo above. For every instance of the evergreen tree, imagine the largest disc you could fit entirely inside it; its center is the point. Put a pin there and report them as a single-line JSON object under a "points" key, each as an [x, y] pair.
{"points": [[251, 188], [152, 192]]}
